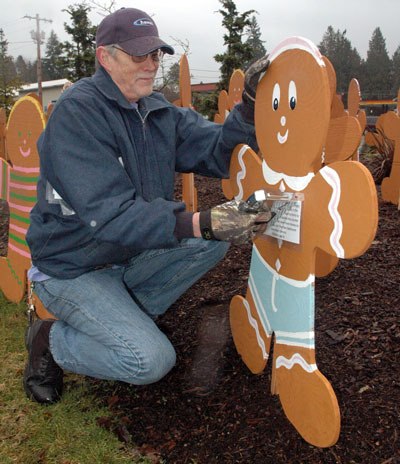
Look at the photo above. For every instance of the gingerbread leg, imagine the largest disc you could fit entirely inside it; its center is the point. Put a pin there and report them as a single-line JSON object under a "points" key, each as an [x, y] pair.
{"points": [[13, 280], [306, 395], [41, 311], [252, 343]]}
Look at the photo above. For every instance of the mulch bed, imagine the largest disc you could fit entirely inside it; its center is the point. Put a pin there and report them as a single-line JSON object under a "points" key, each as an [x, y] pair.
{"points": [[211, 409]]}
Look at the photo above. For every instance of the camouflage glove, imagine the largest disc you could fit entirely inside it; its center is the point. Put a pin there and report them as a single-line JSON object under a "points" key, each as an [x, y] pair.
{"points": [[251, 79], [236, 221]]}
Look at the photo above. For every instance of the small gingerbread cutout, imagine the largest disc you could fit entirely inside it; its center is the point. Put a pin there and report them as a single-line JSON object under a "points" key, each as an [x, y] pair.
{"points": [[388, 126], [189, 192]]}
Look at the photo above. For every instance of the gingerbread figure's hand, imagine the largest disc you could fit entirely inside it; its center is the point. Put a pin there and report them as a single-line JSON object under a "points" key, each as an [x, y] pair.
{"points": [[245, 174], [351, 204], [343, 139], [354, 99]]}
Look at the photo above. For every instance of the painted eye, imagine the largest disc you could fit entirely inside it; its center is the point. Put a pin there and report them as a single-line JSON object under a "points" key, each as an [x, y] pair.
{"points": [[292, 95], [276, 96]]}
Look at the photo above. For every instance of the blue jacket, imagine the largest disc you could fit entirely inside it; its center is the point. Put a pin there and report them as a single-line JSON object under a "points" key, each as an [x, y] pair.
{"points": [[107, 169]]}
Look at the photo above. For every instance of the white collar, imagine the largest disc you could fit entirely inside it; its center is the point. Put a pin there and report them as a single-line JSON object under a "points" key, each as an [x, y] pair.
{"points": [[297, 184]]}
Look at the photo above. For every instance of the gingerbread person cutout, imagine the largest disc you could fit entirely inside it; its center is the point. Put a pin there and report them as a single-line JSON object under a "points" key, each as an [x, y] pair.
{"points": [[226, 102], [18, 179], [223, 107], [388, 125], [189, 191], [344, 136], [338, 215]]}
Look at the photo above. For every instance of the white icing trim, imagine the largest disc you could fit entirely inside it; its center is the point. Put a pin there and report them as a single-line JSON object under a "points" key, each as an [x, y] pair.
{"points": [[259, 305], [332, 178], [304, 335], [274, 308], [310, 345], [281, 361], [297, 43], [254, 324], [242, 173]]}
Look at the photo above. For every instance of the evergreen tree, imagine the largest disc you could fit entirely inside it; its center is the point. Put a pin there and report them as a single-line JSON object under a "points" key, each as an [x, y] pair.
{"points": [[10, 84], [31, 71], [344, 58], [238, 52], [377, 79], [254, 41], [207, 104], [396, 72], [81, 52], [21, 69], [54, 65]]}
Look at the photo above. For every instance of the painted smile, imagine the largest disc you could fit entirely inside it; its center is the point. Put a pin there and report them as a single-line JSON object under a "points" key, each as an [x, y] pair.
{"points": [[282, 138], [25, 153]]}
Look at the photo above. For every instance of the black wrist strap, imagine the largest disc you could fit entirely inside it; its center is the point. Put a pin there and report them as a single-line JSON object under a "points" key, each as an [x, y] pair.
{"points": [[205, 225]]}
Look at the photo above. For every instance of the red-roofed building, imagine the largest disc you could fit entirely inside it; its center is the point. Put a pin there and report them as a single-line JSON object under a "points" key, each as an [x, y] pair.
{"points": [[204, 88]]}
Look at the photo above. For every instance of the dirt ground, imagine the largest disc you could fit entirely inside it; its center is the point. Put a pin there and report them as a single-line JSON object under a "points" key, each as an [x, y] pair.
{"points": [[211, 409]]}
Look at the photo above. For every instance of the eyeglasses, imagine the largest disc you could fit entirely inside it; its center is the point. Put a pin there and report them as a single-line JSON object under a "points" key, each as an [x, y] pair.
{"points": [[155, 56]]}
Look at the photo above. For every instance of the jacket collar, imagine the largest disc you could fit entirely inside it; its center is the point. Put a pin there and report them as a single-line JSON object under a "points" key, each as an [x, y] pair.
{"points": [[109, 89]]}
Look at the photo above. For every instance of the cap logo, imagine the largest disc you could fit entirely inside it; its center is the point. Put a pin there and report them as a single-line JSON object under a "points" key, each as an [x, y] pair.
{"points": [[143, 22]]}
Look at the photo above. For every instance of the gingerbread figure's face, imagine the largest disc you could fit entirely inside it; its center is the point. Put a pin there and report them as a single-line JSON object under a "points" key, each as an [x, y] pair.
{"points": [[236, 85], [25, 124], [293, 109]]}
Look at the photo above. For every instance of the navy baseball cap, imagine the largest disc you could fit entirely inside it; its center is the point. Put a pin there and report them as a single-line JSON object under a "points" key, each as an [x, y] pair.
{"points": [[132, 29]]}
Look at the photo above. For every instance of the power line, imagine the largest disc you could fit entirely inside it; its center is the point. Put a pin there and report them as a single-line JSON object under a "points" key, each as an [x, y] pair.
{"points": [[25, 42], [204, 70], [11, 22]]}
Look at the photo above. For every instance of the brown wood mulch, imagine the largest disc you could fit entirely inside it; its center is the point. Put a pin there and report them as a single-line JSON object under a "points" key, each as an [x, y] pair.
{"points": [[211, 409]]}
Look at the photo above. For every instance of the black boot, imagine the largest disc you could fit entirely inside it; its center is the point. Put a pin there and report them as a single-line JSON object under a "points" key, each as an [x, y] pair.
{"points": [[43, 378]]}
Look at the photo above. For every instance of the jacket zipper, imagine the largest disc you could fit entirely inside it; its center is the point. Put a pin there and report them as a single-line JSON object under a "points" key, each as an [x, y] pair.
{"points": [[143, 120]]}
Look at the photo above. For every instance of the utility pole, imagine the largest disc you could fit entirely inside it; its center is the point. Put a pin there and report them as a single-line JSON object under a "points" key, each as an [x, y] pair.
{"points": [[38, 37]]}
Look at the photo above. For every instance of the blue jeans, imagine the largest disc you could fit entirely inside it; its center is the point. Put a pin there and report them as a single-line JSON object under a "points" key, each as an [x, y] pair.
{"points": [[105, 327]]}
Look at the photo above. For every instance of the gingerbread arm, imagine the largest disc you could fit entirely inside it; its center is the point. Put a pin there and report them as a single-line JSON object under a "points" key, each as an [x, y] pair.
{"points": [[245, 174], [4, 177], [352, 208], [353, 103], [343, 138]]}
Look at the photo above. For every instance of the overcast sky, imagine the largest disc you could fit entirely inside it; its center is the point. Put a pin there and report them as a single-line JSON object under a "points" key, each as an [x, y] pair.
{"points": [[198, 23]]}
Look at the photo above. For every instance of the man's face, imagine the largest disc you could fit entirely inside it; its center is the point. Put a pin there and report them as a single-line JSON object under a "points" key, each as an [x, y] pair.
{"points": [[135, 80]]}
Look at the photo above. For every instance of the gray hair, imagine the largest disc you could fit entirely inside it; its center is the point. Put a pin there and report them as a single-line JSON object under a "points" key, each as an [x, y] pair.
{"points": [[109, 49]]}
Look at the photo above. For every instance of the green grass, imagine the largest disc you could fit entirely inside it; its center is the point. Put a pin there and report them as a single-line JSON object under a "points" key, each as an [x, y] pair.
{"points": [[64, 433]]}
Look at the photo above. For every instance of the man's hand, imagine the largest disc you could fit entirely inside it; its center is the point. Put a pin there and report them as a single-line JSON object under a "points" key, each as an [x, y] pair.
{"points": [[236, 221], [251, 79]]}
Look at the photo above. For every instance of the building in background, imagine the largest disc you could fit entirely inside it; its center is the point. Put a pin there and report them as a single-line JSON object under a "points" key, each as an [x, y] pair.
{"points": [[51, 90]]}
